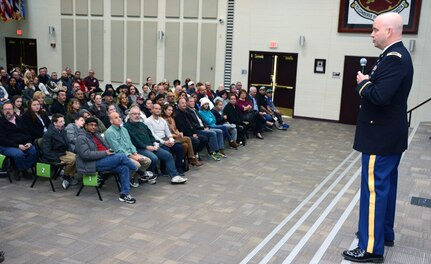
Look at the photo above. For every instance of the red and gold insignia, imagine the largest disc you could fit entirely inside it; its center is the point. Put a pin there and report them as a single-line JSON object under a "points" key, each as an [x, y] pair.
{"points": [[369, 9]]}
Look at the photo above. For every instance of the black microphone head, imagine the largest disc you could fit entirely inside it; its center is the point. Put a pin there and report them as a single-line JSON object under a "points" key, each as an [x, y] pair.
{"points": [[363, 61]]}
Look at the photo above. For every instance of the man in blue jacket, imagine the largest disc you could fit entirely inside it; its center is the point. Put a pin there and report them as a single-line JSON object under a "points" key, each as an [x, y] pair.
{"points": [[381, 136]]}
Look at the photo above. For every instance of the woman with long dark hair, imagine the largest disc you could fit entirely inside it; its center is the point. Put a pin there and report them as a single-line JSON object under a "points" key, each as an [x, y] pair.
{"points": [[36, 119]]}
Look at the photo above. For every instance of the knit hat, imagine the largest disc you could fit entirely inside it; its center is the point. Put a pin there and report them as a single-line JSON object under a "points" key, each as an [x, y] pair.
{"points": [[205, 100], [90, 120], [82, 112]]}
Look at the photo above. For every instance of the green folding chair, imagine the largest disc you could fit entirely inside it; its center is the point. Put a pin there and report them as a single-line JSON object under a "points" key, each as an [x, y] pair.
{"points": [[44, 170], [90, 180], [4, 167]]}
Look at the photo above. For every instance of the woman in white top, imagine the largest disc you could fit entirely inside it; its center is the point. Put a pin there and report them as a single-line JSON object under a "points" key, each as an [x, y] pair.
{"points": [[40, 86]]}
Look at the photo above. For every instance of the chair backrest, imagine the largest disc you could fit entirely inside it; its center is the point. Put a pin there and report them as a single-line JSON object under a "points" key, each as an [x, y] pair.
{"points": [[90, 179], [2, 159], [43, 170]]}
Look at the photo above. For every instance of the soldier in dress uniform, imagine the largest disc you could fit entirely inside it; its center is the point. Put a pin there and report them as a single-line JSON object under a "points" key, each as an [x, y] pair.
{"points": [[381, 136]]}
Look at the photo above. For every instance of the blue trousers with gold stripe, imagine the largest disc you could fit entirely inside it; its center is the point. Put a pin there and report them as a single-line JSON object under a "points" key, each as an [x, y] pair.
{"points": [[377, 204]]}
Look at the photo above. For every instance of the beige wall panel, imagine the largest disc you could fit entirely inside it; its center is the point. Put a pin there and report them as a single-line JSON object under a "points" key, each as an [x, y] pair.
{"points": [[96, 7], [67, 44], [117, 8], [117, 51], [97, 49], [191, 8], [81, 7], [149, 50], [150, 8], [66, 7], [172, 49], [190, 47], [133, 53], [173, 8], [208, 53], [133, 8], [209, 8], [82, 45]]}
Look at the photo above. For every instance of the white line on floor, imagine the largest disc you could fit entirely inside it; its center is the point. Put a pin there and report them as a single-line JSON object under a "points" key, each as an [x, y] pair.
{"points": [[294, 212], [321, 218], [307, 214]]}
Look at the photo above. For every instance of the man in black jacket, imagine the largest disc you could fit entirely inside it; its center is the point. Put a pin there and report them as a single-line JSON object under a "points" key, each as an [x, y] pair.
{"points": [[59, 105], [184, 124], [15, 140], [55, 148]]}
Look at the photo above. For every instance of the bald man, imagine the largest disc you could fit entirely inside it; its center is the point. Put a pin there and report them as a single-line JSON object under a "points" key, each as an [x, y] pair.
{"points": [[119, 140], [381, 136]]}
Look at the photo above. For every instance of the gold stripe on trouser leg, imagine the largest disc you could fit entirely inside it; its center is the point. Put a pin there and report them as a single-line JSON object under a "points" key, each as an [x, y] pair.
{"points": [[372, 203]]}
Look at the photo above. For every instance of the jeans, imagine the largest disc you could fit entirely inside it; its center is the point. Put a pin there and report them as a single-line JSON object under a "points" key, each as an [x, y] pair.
{"points": [[177, 149], [120, 164], [213, 138], [226, 132], [163, 155], [23, 159]]}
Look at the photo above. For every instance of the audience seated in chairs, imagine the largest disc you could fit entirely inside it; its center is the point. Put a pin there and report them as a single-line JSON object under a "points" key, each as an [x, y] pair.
{"points": [[146, 145], [208, 117], [233, 116], [274, 111], [186, 142], [18, 107], [94, 155], [119, 140], [185, 126], [250, 115], [15, 140], [56, 148], [160, 130], [215, 136], [36, 120]]}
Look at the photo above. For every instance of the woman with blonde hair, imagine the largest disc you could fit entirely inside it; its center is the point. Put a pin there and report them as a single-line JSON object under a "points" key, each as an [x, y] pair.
{"points": [[39, 96], [186, 142]]}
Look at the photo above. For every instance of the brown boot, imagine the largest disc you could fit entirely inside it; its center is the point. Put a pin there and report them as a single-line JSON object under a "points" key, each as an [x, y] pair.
{"points": [[195, 162], [233, 144]]}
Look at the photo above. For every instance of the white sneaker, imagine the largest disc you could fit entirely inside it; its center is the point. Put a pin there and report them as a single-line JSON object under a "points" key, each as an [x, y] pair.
{"points": [[178, 180]]}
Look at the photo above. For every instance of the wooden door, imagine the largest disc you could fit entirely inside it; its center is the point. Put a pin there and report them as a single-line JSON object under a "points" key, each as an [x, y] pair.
{"points": [[350, 100], [21, 53]]}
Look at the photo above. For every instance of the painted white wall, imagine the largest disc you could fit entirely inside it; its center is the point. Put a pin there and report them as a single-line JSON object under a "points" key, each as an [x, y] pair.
{"points": [[319, 95], [39, 15], [256, 24]]}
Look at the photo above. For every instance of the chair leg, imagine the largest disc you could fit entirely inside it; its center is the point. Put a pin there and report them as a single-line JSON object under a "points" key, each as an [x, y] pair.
{"points": [[52, 185], [10, 178], [98, 193], [34, 181], [80, 189], [117, 180], [57, 172]]}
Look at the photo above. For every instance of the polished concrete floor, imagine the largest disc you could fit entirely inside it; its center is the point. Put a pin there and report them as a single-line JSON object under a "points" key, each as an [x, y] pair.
{"points": [[290, 198]]}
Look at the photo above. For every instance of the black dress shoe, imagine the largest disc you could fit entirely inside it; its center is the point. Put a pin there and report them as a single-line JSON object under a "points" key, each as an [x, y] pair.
{"points": [[388, 243], [360, 255]]}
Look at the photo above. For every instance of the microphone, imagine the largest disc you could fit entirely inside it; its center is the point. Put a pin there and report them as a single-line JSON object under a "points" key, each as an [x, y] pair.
{"points": [[363, 62]]}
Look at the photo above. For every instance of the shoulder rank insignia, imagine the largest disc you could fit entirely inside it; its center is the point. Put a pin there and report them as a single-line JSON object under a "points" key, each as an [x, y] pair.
{"points": [[394, 53]]}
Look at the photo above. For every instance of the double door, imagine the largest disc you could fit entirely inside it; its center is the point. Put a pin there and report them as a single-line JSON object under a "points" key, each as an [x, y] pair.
{"points": [[276, 71]]}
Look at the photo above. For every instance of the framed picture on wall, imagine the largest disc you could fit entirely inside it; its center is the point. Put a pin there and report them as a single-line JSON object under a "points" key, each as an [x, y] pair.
{"points": [[319, 65], [357, 16]]}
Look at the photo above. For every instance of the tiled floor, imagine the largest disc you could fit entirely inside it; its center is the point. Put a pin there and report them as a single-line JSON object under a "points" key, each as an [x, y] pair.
{"points": [[286, 198]]}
